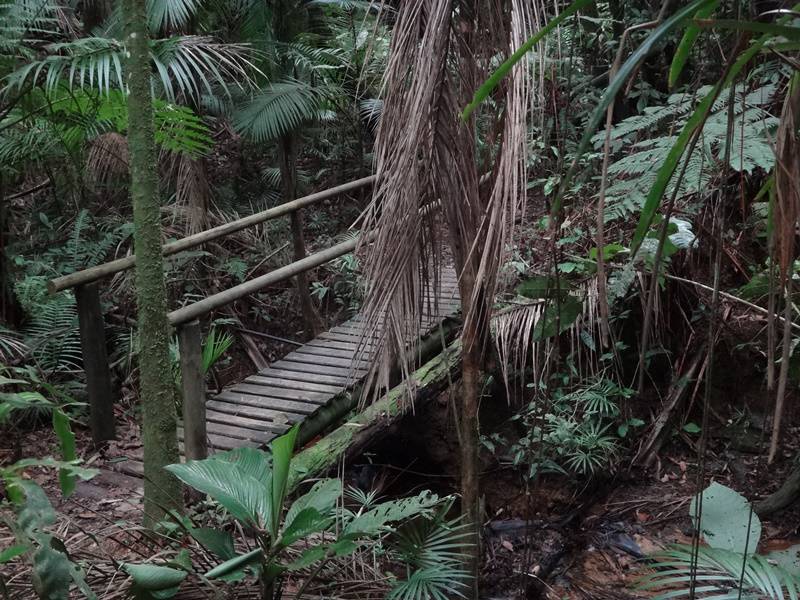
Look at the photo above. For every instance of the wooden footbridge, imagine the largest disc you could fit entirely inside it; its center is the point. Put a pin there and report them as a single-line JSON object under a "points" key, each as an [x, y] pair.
{"points": [[312, 385]]}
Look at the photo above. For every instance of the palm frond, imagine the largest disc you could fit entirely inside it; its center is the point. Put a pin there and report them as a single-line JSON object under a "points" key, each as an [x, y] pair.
{"points": [[193, 65], [11, 346], [279, 109], [167, 15], [433, 550], [718, 574], [187, 66]]}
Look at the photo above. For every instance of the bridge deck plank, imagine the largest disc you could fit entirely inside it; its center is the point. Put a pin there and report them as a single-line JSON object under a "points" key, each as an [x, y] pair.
{"points": [[254, 411]]}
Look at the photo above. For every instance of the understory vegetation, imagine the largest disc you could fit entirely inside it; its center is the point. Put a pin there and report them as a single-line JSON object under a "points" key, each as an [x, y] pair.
{"points": [[609, 192]]}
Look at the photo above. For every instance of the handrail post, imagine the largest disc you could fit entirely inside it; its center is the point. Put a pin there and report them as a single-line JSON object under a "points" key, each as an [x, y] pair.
{"points": [[95, 362], [194, 391]]}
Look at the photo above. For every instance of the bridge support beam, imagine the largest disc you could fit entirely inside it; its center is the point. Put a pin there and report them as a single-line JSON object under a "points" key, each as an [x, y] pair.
{"points": [[95, 362], [194, 391], [352, 438]]}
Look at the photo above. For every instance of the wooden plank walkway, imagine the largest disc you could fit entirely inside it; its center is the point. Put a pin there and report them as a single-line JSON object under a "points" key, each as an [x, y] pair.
{"points": [[265, 405], [292, 389]]}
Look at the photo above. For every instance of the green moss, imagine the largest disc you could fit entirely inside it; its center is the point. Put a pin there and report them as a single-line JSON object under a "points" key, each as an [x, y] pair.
{"points": [[159, 435]]}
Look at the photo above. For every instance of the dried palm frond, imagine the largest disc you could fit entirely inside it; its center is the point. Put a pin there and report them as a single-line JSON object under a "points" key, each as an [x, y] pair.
{"points": [[192, 192], [513, 339], [107, 161], [426, 153]]}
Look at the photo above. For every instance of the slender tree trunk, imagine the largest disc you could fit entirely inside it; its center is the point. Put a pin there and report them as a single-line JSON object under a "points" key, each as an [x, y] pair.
{"points": [[468, 432], [161, 490], [8, 312], [288, 165]]}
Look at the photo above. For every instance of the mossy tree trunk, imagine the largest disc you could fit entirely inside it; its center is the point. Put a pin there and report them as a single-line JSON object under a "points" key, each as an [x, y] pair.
{"points": [[159, 436]]}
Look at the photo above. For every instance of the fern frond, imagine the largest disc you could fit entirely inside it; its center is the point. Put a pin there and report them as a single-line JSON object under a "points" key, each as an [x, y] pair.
{"points": [[632, 175]]}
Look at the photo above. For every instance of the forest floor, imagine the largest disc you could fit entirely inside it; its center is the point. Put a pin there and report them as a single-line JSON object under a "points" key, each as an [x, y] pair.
{"points": [[556, 540]]}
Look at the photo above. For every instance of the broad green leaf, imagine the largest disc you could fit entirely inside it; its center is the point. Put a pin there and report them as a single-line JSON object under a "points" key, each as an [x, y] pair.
{"points": [[343, 547], [561, 315], [725, 520], [66, 439], [488, 87], [246, 498], [52, 573], [34, 510], [323, 496], [377, 519], [307, 558], [219, 543], [282, 451], [235, 564], [154, 582], [252, 461], [609, 251], [154, 577], [687, 43], [12, 552], [307, 522]]}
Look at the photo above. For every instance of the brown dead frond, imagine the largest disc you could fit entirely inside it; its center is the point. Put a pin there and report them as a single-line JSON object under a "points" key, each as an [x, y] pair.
{"points": [[425, 153], [192, 192], [107, 161]]}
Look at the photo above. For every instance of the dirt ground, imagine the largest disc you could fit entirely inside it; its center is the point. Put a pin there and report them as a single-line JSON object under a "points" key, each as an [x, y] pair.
{"points": [[554, 540]]}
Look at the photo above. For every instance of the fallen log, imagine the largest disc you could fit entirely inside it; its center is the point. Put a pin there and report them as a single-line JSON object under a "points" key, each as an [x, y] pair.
{"points": [[785, 496], [352, 438]]}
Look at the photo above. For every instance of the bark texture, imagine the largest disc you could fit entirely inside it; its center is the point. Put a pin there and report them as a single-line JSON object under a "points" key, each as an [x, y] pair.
{"points": [[159, 429]]}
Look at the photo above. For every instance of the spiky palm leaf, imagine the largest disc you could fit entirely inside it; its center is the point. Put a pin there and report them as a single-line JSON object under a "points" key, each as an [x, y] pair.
{"points": [[433, 550], [718, 575], [187, 66], [279, 109], [172, 15]]}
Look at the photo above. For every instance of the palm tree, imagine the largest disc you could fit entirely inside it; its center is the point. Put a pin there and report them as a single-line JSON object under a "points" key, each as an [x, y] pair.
{"points": [[441, 51], [291, 35]]}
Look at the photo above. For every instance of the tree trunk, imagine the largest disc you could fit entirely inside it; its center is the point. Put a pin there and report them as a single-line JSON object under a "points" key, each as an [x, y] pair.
{"points": [[288, 165], [8, 304], [473, 339], [159, 436]]}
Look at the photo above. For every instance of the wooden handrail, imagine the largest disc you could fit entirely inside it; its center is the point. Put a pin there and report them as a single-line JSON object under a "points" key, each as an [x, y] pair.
{"points": [[192, 241], [200, 308]]}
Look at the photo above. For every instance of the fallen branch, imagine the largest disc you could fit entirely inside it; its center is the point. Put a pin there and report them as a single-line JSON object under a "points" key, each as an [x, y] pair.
{"points": [[660, 430], [731, 297]]}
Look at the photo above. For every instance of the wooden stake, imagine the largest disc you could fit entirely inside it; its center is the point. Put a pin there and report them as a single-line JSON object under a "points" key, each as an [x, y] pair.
{"points": [[194, 394], [95, 362]]}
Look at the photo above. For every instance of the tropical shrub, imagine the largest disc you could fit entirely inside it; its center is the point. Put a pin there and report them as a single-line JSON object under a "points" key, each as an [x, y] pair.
{"points": [[252, 486]]}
